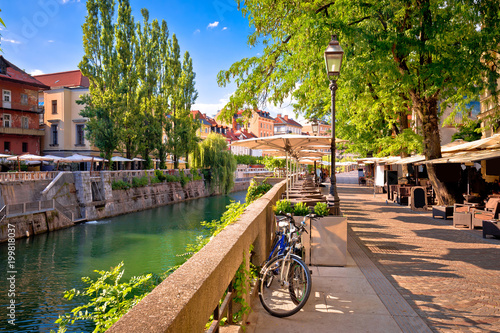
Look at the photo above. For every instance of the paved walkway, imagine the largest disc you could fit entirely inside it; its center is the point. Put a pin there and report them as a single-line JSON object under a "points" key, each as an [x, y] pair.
{"points": [[406, 272], [451, 277]]}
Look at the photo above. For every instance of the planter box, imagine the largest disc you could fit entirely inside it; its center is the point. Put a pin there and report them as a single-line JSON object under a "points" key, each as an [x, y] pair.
{"points": [[325, 244], [328, 241]]}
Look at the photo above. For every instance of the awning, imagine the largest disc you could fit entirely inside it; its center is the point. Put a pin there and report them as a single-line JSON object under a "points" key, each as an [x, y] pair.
{"points": [[493, 142], [466, 157]]}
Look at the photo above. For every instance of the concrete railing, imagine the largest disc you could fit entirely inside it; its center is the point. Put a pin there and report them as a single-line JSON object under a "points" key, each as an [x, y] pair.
{"points": [[185, 300], [30, 175]]}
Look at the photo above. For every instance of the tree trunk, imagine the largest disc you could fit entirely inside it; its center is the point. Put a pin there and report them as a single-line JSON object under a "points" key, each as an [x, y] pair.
{"points": [[403, 124], [427, 111]]}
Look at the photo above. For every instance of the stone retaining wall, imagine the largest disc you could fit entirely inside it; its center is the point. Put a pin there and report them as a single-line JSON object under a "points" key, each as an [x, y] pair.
{"points": [[34, 224]]}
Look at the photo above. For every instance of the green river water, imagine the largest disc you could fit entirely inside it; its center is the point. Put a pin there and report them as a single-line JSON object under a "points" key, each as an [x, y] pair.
{"points": [[49, 264]]}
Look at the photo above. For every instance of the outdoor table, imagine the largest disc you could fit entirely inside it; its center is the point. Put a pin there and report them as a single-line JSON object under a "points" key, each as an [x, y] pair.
{"points": [[443, 211], [491, 227]]}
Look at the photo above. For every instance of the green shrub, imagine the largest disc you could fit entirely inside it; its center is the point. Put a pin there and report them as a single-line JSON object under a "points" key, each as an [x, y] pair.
{"points": [[140, 182], [120, 185], [172, 178], [321, 209], [283, 207], [257, 190], [159, 174], [155, 180], [301, 209], [108, 298]]}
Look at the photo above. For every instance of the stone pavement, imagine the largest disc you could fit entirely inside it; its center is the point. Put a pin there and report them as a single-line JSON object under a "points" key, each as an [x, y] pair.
{"points": [[450, 277], [406, 272]]}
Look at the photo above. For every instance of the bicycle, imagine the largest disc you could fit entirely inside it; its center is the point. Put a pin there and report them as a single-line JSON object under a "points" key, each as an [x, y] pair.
{"points": [[285, 280]]}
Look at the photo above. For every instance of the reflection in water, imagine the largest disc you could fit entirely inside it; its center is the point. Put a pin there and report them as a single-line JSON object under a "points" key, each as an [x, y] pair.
{"points": [[49, 264]]}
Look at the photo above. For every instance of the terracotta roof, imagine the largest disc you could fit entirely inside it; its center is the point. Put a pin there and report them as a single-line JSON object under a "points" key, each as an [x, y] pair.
{"points": [[69, 79], [231, 135], [281, 120], [244, 134], [15, 74]]}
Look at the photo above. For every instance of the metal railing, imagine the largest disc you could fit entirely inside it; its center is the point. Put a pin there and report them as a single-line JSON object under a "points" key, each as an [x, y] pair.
{"points": [[2, 213], [28, 207]]}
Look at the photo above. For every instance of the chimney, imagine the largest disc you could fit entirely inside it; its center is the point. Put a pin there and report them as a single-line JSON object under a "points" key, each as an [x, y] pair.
{"points": [[286, 117], [279, 115], [204, 115], [234, 124]]}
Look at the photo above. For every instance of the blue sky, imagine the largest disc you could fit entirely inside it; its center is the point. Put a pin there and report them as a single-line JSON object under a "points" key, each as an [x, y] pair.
{"points": [[45, 36]]}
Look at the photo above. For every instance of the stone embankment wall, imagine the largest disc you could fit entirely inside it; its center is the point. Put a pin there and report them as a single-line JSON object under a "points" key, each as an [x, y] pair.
{"points": [[34, 224]]}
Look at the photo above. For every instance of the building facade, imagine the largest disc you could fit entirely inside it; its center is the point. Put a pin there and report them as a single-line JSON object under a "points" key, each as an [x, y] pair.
{"points": [[286, 125], [20, 131], [64, 126]]}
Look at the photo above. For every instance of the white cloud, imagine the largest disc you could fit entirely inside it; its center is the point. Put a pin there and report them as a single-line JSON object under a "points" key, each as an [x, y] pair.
{"points": [[197, 31], [213, 25], [50, 41], [68, 1], [211, 109], [225, 28], [37, 72], [7, 40]]}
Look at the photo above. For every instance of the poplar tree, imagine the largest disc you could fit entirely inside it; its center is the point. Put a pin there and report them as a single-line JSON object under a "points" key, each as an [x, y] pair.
{"points": [[398, 54], [126, 91], [181, 127], [147, 72], [99, 65]]}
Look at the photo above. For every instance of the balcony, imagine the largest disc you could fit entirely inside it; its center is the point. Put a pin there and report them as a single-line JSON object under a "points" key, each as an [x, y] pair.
{"points": [[22, 131]]}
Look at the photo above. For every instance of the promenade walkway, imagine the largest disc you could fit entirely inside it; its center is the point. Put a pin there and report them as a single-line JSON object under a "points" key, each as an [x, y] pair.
{"points": [[406, 272]]}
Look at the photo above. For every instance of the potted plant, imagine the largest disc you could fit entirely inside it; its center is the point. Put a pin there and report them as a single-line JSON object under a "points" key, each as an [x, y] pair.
{"points": [[282, 207]]}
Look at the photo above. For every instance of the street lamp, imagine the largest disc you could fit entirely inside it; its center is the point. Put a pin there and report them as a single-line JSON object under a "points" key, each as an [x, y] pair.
{"points": [[314, 126], [333, 60]]}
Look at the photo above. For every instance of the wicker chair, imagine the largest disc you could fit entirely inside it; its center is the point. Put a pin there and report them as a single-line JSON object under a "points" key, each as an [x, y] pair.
{"points": [[491, 211], [462, 215]]}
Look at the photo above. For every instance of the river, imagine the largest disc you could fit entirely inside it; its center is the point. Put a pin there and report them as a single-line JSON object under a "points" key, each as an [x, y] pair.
{"points": [[48, 264]]}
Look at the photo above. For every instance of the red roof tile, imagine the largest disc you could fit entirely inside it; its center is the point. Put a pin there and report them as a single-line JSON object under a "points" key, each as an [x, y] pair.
{"points": [[13, 73], [69, 79]]}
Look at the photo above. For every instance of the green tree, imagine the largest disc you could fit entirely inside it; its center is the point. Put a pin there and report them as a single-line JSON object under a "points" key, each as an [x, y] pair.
{"points": [[214, 155], [470, 131], [402, 54], [148, 67], [181, 129], [127, 103], [99, 65]]}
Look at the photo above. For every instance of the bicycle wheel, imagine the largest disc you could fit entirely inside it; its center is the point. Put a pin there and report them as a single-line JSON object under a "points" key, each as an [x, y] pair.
{"points": [[282, 294]]}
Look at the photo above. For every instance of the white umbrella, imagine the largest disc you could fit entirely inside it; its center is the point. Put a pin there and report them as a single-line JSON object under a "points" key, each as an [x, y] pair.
{"points": [[120, 159], [27, 157], [81, 158], [5, 156]]}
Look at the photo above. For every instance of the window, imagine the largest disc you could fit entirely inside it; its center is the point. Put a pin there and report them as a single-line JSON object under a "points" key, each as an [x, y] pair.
{"points": [[24, 99], [7, 120], [80, 135], [6, 95], [25, 147], [54, 107], [6, 146], [53, 130], [6, 98], [25, 122]]}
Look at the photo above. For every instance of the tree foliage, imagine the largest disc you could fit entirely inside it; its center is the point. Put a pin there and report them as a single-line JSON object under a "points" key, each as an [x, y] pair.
{"points": [[214, 154], [401, 57], [137, 82]]}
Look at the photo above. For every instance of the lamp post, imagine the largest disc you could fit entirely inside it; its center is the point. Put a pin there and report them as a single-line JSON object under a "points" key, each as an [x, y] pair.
{"points": [[333, 60], [314, 128]]}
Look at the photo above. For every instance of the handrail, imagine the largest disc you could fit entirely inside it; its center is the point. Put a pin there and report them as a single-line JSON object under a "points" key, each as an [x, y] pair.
{"points": [[3, 213]]}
